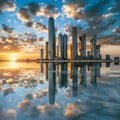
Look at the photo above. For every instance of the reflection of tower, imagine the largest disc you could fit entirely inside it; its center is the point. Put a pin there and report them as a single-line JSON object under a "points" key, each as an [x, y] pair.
{"points": [[41, 68], [83, 45], [75, 80], [51, 38], [93, 75], [52, 83], [107, 58], [71, 47], [46, 71], [74, 40], [93, 45], [63, 75], [83, 75], [60, 45], [97, 69]]}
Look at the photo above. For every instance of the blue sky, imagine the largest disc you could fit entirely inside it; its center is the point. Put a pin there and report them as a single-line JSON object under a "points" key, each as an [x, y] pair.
{"points": [[22, 19]]}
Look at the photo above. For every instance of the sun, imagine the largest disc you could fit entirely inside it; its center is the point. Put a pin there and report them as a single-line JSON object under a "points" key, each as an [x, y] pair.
{"points": [[13, 59]]}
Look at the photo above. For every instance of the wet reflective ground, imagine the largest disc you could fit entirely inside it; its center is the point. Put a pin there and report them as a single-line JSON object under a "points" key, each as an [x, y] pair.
{"points": [[33, 91]]}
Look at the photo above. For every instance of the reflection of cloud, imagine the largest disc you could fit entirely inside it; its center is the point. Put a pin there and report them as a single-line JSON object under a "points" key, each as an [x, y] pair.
{"points": [[40, 94], [48, 109], [72, 110], [7, 115], [24, 105], [8, 91], [29, 96]]}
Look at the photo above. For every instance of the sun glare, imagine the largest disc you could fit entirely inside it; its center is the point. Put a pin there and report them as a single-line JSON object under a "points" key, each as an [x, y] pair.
{"points": [[13, 57]]}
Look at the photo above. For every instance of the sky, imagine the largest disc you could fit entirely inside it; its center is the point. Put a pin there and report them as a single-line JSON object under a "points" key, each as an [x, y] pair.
{"points": [[24, 24]]}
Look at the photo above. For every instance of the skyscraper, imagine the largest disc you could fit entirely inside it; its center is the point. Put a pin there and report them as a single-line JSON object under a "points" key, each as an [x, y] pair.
{"points": [[51, 38], [93, 46], [65, 46], [97, 52], [74, 41], [41, 54], [60, 46], [47, 50], [83, 45]]}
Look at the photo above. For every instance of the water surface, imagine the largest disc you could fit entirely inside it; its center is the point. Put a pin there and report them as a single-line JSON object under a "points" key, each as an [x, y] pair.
{"points": [[33, 91]]}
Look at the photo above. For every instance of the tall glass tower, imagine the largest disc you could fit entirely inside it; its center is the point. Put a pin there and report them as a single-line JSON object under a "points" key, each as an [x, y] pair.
{"points": [[51, 38]]}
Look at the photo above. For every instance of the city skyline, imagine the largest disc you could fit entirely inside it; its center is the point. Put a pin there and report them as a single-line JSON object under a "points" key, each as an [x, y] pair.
{"points": [[24, 25]]}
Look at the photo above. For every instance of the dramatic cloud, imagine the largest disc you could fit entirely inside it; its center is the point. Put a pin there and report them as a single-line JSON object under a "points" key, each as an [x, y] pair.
{"points": [[48, 11], [73, 10], [40, 27], [7, 5], [21, 43], [24, 14], [117, 30], [101, 18], [37, 25], [33, 8], [29, 24], [7, 29]]}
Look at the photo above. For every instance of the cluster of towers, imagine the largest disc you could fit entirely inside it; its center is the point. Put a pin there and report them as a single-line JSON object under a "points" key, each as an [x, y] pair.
{"points": [[60, 51], [94, 52]]}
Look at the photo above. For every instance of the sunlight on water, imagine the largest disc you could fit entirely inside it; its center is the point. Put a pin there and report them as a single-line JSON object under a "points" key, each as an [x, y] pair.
{"points": [[17, 65]]}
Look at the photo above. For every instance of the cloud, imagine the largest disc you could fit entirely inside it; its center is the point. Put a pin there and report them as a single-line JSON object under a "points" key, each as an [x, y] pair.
{"points": [[40, 27], [36, 25], [73, 10], [117, 30], [101, 18], [24, 14], [7, 5], [48, 11], [109, 40], [33, 8], [29, 24], [7, 29]]}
